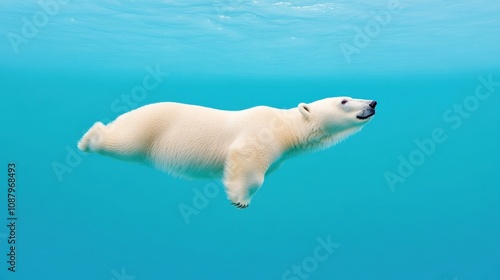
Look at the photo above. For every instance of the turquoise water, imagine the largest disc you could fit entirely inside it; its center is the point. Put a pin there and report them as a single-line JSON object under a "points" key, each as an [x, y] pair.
{"points": [[415, 195]]}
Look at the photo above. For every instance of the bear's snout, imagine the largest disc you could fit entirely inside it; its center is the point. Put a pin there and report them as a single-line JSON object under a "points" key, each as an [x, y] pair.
{"points": [[368, 112]]}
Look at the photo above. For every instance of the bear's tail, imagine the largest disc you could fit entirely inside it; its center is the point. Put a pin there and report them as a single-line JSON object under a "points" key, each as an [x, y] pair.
{"points": [[90, 140]]}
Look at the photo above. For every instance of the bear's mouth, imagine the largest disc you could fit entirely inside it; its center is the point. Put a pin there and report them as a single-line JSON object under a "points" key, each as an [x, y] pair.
{"points": [[366, 114]]}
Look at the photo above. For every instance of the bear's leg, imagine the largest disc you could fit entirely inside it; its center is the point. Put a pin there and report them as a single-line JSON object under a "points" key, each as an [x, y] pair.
{"points": [[116, 141], [243, 175]]}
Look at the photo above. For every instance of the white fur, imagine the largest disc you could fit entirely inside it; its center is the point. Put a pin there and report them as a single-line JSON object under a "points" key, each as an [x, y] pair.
{"points": [[240, 147]]}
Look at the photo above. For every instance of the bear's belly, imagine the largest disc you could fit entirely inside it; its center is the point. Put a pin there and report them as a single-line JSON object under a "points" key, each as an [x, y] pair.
{"points": [[193, 169], [189, 159]]}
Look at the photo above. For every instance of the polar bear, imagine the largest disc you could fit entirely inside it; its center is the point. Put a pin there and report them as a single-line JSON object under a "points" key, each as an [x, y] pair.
{"points": [[239, 147]]}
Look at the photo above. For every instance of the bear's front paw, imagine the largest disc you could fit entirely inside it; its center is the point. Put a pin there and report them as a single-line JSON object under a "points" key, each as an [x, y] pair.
{"points": [[239, 205]]}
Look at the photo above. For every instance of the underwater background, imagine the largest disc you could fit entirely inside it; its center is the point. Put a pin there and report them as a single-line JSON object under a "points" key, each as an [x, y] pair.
{"points": [[415, 195]]}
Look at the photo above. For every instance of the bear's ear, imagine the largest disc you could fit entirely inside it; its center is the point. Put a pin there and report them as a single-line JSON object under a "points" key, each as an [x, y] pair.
{"points": [[304, 110]]}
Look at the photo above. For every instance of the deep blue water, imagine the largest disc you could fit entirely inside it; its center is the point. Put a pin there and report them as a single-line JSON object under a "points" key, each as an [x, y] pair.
{"points": [[415, 195]]}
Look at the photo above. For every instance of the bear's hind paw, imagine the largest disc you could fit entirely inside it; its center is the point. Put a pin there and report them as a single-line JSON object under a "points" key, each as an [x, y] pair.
{"points": [[92, 138]]}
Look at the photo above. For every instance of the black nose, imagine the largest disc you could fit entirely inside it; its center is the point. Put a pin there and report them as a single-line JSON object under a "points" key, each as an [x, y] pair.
{"points": [[373, 104]]}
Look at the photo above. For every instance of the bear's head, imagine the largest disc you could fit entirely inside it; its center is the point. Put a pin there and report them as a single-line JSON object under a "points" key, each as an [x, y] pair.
{"points": [[338, 113], [336, 118]]}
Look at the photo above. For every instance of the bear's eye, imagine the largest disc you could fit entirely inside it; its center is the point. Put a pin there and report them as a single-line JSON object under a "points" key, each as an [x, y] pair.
{"points": [[344, 101]]}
